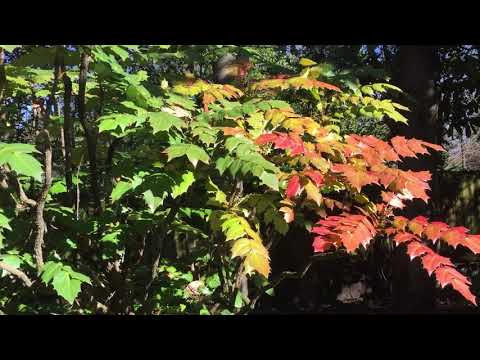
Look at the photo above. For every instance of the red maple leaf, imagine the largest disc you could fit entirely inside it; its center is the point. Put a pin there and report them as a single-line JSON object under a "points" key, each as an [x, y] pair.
{"points": [[412, 184], [432, 146], [473, 243], [316, 176], [356, 147], [371, 156], [401, 147], [404, 237], [420, 219], [393, 200], [373, 150], [321, 230], [351, 230], [293, 187], [320, 244], [385, 151], [434, 230], [446, 275], [420, 175], [355, 235], [330, 221], [266, 138], [416, 248], [417, 146], [325, 85], [400, 222], [455, 236], [386, 176], [283, 141], [464, 289], [410, 147], [432, 261], [417, 224], [356, 178], [444, 270]]}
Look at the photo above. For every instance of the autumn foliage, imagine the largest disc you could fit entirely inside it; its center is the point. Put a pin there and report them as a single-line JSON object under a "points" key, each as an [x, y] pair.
{"points": [[351, 164], [168, 195]]}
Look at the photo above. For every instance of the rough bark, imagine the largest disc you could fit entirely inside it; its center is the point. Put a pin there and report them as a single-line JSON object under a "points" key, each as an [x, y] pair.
{"points": [[417, 74], [68, 133], [109, 180], [90, 134], [39, 220], [3, 77]]}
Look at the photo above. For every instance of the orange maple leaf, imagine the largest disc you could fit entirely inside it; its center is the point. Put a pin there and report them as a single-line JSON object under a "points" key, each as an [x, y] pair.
{"points": [[356, 178], [416, 248], [432, 261]]}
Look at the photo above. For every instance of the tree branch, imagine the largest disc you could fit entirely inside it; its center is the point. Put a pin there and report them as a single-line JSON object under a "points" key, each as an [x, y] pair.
{"points": [[18, 186], [67, 131], [18, 273], [23, 197], [158, 250], [39, 220], [58, 65], [3, 78], [109, 163], [91, 139], [77, 191]]}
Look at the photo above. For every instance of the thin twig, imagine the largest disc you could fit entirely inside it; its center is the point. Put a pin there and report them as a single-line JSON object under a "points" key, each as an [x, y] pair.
{"points": [[77, 202]]}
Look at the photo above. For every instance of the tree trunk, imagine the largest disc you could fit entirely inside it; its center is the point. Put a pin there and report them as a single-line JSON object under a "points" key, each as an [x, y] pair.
{"points": [[3, 77], [90, 133], [417, 75], [68, 134]]}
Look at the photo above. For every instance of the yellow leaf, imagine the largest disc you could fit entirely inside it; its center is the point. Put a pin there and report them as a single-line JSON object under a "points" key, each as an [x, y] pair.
{"points": [[255, 254], [298, 124], [249, 231], [257, 262], [307, 62], [277, 117], [313, 193], [241, 247], [321, 164], [216, 93], [233, 91], [297, 82], [287, 202]]}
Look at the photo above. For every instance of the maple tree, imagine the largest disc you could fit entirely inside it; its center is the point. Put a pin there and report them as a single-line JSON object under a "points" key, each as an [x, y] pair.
{"points": [[359, 161]]}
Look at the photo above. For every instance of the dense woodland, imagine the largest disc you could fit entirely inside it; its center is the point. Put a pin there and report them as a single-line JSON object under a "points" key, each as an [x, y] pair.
{"points": [[228, 180]]}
